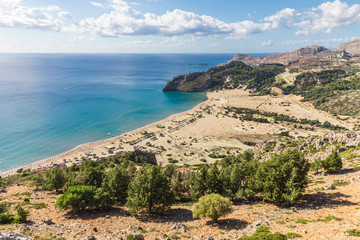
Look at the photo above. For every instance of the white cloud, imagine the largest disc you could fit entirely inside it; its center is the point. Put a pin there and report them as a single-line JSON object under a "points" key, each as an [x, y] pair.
{"points": [[81, 38], [124, 20], [317, 41], [329, 15], [97, 4], [283, 18], [267, 43], [14, 15]]}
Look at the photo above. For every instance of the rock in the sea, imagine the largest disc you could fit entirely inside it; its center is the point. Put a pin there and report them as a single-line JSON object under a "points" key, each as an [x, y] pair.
{"points": [[13, 236]]}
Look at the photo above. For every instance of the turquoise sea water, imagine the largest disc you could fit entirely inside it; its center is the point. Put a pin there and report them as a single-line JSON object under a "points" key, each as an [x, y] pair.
{"points": [[50, 103]]}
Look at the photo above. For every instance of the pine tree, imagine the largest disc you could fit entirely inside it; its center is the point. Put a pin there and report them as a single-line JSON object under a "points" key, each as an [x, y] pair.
{"points": [[283, 177], [214, 180], [198, 183], [150, 192], [333, 162], [55, 179], [115, 184]]}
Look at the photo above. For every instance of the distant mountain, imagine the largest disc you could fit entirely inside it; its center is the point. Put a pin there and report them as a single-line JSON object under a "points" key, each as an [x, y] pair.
{"points": [[314, 51], [352, 47]]}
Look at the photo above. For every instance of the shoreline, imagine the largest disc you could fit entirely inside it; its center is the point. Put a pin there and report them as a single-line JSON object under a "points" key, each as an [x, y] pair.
{"points": [[189, 137], [80, 150]]}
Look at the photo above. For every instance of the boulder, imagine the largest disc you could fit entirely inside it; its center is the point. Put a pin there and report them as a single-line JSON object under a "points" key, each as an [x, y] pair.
{"points": [[47, 220]]}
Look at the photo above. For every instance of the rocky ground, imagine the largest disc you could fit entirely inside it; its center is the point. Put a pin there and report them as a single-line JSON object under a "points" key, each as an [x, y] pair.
{"points": [[330, 207]]}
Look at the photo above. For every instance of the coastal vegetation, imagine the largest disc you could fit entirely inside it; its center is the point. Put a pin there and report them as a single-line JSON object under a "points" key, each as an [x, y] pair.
{"points": [[153, 189], [247, 114]]}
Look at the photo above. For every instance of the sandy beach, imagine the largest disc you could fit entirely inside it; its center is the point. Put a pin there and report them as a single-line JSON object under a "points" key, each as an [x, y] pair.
{"points": [[189, 137]]}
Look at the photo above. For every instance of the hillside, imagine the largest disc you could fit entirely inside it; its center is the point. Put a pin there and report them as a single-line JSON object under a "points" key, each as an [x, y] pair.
{"points": [[222, 76], [352, 47]]}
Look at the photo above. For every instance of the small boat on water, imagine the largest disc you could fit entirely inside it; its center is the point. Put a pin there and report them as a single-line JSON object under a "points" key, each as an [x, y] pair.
{"points": [[109, 133]]}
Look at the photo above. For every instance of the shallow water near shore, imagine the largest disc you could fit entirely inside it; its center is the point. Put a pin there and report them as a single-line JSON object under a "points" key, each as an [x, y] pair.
{"points": [[50, 103]]}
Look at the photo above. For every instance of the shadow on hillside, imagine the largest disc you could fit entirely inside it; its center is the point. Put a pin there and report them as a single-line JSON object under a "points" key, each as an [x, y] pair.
{"points": [[322, 199], [95, 214], [172, 215], [231, 224], [346, 171]]}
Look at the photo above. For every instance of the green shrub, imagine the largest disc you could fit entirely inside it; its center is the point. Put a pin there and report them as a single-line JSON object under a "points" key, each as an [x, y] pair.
{"points": [[130, 237], [263, 233], [333, 162], [4, 207], [6, 218], [329, 218], [39, 205], [213, 155], [78, 198], [353, 232], [317, 165], [292, 235], [212, 206], [22, 215]]}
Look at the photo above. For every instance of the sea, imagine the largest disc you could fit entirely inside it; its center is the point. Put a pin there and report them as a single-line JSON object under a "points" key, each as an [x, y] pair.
{"points": [[51, 103]]}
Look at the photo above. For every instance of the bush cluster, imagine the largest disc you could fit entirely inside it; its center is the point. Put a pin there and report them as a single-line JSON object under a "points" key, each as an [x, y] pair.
{"points": [[153, 189], [332, 163]]}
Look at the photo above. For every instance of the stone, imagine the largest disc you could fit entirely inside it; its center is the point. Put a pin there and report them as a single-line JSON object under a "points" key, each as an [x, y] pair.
{"points": [[47, 220], [24, 228], [135, 228], [260, 223], [90, 238], [330, 187], [179, 226], [13, 236]]}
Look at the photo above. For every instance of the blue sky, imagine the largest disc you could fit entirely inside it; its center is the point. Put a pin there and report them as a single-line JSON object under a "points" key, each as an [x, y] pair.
{"points": [[175, 26]]}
